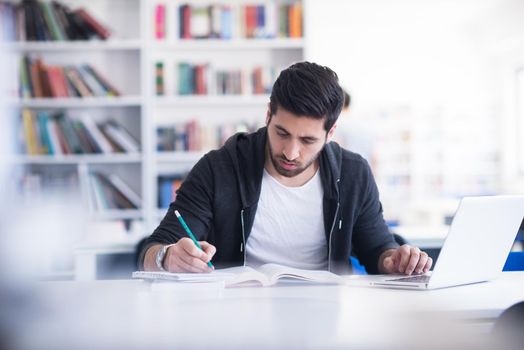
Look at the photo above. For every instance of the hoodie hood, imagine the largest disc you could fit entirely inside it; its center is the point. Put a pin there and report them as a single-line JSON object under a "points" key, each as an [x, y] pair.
{"points": [[248, 149]]}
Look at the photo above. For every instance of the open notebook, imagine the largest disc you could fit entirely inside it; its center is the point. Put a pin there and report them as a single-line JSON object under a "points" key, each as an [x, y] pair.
{"points": [[265, 275]]}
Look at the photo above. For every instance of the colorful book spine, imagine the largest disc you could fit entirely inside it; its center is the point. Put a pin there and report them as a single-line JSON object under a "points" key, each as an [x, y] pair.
{"points": [[90, 80], [101, 30], [43, 123], [193, 136], [110, 88], [167, 189], [55, 30], [126, 190], [97, 136], [121, 137], [160, 21], [30, 134], [53, 137], [59, 133], [25, 79], [159, 79], [252, 21], [57, 82], [295, 20]]}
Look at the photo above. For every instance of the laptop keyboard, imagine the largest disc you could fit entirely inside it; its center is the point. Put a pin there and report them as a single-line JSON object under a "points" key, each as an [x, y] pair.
{"points": [[414, 279]]}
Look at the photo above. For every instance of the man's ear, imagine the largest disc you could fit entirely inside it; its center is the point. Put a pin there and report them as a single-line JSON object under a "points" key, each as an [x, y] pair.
{"points": [[331, 132], [268, 116]]}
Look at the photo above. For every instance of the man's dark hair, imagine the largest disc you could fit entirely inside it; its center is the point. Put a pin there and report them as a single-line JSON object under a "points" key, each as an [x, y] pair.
{"points": [[347, 99], [308, 89]]}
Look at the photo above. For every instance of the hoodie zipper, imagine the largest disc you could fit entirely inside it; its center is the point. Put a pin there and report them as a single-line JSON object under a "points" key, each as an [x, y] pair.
{"points": [[333, 225], [243, 244]]}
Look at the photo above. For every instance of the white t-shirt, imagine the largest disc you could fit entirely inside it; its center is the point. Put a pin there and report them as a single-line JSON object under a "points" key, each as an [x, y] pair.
{"points": [[289, 226]]}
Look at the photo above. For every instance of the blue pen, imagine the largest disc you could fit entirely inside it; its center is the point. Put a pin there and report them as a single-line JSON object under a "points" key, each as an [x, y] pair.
{"points": [[184, 225]]}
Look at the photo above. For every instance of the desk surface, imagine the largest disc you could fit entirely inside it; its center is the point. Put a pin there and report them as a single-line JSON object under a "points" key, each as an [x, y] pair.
{"points": [[134, 314]]}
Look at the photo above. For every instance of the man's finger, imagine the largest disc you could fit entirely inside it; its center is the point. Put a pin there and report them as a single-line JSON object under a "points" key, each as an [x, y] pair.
{"points": [[193, 264], [421, 262], [190, 248], [404, 256], [186, 267], [429, 263], [208, 248], [414, 257], [389, 264]]}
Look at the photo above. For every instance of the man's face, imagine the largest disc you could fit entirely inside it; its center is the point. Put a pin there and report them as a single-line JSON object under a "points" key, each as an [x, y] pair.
{"points": [[294, 142]]}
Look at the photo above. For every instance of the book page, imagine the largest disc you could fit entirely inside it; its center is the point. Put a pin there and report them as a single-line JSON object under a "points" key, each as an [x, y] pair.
{"points": [[274, 272], [245, 275]]}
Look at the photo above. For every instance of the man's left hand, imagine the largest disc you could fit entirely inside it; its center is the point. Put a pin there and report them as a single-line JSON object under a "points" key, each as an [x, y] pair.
{"points": [[405, 259]]}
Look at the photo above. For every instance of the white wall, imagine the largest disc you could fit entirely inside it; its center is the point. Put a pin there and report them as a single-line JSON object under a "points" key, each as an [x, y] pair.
{"points": [[421, 52], [441, 62]]}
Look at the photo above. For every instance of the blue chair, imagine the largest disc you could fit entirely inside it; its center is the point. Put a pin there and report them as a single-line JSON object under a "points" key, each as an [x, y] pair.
{"points": [[358, 268], [515, 262]]}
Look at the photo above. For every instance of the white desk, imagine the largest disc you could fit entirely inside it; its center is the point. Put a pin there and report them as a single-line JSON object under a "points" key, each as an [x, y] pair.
{"points": [[130, 315]]}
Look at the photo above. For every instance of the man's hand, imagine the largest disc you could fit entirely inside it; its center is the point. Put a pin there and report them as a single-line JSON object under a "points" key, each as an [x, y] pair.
{"points": [[406, 259], [184, 256]]}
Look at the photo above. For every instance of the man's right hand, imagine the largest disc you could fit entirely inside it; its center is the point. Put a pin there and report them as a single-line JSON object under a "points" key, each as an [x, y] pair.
{"points": [[184, 256]]}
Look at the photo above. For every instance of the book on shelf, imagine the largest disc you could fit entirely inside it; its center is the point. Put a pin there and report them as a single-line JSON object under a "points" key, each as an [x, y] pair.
{"points": [[159, 79], [167, 187], [33, 145], [193, 136], [33, 20], [160, 21], [41, 80], [96, 26], [59, 133], [124, 188], [205, 79], [111, 90], [111, 192], [71, 137], [98, 138], [268, 20], [54, 30], [265, 275], [121, 137], [199, 24]]}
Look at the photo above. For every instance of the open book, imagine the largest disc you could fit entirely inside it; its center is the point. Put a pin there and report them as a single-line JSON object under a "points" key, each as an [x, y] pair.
{"points": [[266, 275]]}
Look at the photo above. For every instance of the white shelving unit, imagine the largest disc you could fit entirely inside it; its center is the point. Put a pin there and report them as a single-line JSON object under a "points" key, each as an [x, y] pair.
{"points": [[74, 102], [209, 109], [128, 60], [119, 59]]}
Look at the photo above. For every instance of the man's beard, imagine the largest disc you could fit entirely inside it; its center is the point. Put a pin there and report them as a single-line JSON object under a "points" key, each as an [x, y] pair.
{"points": [[275, 160]]}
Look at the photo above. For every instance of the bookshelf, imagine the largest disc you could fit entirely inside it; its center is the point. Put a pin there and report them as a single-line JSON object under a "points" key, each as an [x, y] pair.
{"points": [[127, 59], [236, 52]]}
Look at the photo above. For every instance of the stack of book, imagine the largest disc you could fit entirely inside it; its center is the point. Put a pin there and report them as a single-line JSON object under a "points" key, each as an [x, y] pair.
{"points": [[167, 187], [57, 134], [40, 80], [111, 192], [48, 21], [203, 79], [267, 20], [193, 136]]}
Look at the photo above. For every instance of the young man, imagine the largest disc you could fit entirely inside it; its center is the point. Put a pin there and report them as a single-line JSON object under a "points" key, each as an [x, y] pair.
{"points": [[284, 194]]}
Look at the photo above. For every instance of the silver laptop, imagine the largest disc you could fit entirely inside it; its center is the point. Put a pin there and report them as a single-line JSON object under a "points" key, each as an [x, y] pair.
{"points": [[475, 250]]}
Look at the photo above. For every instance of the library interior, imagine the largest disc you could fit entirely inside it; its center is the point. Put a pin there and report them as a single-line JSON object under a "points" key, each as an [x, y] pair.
{"points": [[107, 105]]}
